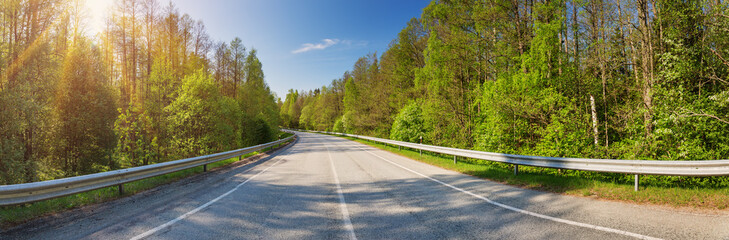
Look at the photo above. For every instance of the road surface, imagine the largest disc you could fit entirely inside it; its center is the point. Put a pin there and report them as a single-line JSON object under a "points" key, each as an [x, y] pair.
{"points": [[325, 187]]}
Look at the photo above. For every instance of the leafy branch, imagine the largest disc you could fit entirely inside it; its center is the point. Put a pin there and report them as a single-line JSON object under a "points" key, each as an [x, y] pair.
{"points": [[717, 54], [689, 113]]}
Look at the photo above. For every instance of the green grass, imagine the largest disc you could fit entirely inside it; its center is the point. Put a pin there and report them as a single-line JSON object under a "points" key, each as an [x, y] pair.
{"points": [[13, 215], [283, 135], [577, 183]]}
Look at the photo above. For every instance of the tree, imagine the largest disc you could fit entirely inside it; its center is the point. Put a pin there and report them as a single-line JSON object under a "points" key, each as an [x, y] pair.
{"points": [[198, 117], [257, 103], [13, 167], [237, 57], [83, 113], [29, 66], [59, 90], [290, 110], [401, 61], [451, 76]]}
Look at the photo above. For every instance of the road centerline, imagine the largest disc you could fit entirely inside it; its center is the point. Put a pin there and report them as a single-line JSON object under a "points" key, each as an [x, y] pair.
{"points": [[342, 203]]}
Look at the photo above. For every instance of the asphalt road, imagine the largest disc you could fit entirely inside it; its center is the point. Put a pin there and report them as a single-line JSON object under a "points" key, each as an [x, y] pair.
{"points": [[326, 187]]}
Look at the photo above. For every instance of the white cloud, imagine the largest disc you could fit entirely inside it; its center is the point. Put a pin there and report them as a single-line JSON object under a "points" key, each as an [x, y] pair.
{"points": [[319, 46]]}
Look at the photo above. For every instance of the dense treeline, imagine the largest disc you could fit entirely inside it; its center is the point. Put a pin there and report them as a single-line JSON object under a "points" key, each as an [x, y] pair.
{"points": [[151, 87], [645, 79]]}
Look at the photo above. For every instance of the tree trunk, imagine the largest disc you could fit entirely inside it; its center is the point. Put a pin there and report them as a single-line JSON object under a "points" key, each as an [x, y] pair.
{"points": [[594, 119], [125, 66], [646, 65], [133, 90]]}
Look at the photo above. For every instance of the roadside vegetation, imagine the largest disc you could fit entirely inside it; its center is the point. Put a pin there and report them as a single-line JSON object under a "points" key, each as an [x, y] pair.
{"points": [[13, 215], [606, 186], [149, 88], [589, 79]]}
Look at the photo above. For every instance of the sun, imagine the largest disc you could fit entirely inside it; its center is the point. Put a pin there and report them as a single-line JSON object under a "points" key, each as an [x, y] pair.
{"points": [[97, 13]]}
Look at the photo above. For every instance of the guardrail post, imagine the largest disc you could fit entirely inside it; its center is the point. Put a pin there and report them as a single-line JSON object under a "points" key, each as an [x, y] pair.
{"points": [[398, 148], [205, 167], [516, 169], [421, 142], [121, 189], [637, 179], [454, 160]]}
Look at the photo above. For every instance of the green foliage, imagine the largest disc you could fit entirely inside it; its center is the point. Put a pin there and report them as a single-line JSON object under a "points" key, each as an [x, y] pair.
{"points": [[322, 108], [83, 113], [13, 168], [409, 124], [135, 143], [502, 76], [143, 91], [451, 75], [161, 91], [194, 117], [291, 110], [689, 113], [351, 102], [518, 78], [400, 62], [260, 113], [526, 112], [339, 126], [262, 132]]}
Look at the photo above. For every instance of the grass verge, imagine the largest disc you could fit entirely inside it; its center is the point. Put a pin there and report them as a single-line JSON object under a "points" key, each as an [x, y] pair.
{"points": [[572, 182], [14, 215]]}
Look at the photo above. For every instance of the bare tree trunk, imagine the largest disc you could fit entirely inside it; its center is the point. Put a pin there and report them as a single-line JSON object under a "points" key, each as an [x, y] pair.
{"points": [[151, 12], [603, 68], [559, 58], [563, 36], [13, 46], [646, 65], [133, 90], [621, 25], [594, 119], [125, 66]]}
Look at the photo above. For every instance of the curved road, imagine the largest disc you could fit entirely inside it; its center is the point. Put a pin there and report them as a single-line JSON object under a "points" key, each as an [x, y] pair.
{"points": [[326, 187]]}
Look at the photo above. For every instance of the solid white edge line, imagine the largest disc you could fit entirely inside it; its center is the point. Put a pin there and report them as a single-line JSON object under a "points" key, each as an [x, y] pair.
{"points": [[555, 219], [342, 203], [183, 216]]}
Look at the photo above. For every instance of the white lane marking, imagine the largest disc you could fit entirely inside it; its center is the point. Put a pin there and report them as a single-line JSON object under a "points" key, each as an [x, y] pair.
{"points": [[565, 221], [342, 203], [183, 216]]}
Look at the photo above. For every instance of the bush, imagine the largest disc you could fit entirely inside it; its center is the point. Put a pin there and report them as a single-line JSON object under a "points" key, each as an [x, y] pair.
{"points": [[408, 125]]}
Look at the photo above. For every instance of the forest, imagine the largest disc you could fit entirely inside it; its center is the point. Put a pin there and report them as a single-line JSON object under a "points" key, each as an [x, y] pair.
{"points": [[151, 87], [620, 79]]}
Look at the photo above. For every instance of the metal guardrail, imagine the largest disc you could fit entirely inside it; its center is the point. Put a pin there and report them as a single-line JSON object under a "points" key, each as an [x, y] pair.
{"points": [[36, 191], [701, 168]]}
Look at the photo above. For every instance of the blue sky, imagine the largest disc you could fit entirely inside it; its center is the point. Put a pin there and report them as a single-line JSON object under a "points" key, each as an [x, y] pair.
{"points": [[305, 44]]}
